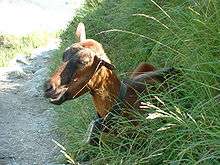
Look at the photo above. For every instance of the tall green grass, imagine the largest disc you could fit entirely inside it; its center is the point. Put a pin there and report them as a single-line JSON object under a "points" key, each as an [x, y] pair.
{"points": [[182, 34], [11, 45]]}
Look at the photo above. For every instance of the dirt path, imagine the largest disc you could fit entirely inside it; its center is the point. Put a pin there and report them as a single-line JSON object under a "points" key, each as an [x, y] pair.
{"points": [[26, 117]]}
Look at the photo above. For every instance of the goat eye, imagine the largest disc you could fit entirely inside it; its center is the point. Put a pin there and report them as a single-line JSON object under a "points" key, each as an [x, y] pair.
{"points": [[64, 57], [75, 79], [81, 62]]}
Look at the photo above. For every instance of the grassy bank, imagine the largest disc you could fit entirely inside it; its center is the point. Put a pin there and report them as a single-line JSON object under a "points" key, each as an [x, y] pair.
{"points": [[183, 34], [11, 45]]}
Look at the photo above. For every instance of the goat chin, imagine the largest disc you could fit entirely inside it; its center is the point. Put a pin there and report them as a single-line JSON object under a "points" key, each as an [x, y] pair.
{"points": [[57, 101], [60, 98]]}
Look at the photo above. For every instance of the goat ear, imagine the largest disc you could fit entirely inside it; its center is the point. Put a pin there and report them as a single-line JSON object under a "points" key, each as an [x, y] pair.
{"points": [[87, 44], [108, 65], [81, 32], [104, 63]]}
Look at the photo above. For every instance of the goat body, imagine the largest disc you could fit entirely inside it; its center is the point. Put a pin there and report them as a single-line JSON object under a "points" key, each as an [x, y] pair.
{"points": [[86, 68]]}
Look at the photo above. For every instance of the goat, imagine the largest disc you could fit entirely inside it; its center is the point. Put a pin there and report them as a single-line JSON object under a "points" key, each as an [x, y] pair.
{"points": [[86, 68]]}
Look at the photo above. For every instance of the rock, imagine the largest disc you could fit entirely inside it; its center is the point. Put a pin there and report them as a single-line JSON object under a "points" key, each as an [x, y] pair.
{"points": [[16, 73], [29, 69], [32, 92], [8, 161], [46, 55], [34, 87], [41, 72], [37, 53], [56, 164], [39, 77], [22, 59]]}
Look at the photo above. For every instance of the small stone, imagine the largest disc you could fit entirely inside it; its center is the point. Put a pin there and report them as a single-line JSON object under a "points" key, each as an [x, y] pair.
{"points": [[17, 72], [21, 59], [8, 161]]}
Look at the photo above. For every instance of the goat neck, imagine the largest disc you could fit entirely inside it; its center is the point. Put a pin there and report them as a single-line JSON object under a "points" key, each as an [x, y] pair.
{"points": [[104, 87]]}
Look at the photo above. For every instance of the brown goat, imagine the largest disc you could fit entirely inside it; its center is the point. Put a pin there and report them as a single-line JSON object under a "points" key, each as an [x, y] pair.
{"points": [[86, 68]]}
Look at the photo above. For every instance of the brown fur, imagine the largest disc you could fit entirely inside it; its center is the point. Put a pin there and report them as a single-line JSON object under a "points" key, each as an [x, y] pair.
{"points": [[105, 89]]}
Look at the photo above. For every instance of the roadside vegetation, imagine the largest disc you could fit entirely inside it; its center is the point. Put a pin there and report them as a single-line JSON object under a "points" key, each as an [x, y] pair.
{"points": [[183, 34], [12, 45]]}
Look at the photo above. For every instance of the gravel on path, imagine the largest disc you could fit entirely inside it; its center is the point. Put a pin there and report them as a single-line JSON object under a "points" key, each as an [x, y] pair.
{"points": [[27, 119]]}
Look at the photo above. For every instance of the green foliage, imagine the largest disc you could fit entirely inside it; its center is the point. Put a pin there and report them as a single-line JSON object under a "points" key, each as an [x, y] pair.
{"points": [[183, 34], [10, 45]]}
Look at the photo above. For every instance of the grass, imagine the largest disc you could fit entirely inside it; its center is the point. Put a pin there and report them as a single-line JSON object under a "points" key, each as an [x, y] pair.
{"points": [[182, 34], [11, 45]]}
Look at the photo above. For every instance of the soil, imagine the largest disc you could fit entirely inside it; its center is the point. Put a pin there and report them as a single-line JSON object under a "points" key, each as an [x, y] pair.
{"points": [[27, 119]]}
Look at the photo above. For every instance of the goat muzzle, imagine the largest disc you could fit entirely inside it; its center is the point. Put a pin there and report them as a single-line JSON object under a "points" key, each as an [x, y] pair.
{"points": [[56, 95]]}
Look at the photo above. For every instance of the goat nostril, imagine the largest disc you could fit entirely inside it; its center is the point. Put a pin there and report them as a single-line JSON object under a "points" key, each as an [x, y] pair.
{"points": [[48, 87]]}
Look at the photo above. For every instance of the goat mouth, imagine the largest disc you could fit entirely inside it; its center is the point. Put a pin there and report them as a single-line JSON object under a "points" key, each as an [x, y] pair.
{"points": [[58, 98]]}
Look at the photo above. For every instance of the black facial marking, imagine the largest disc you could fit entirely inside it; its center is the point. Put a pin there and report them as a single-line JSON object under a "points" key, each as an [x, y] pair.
{"points": [[66, 56], [75, 57], [68, 71], [70, 53]]}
